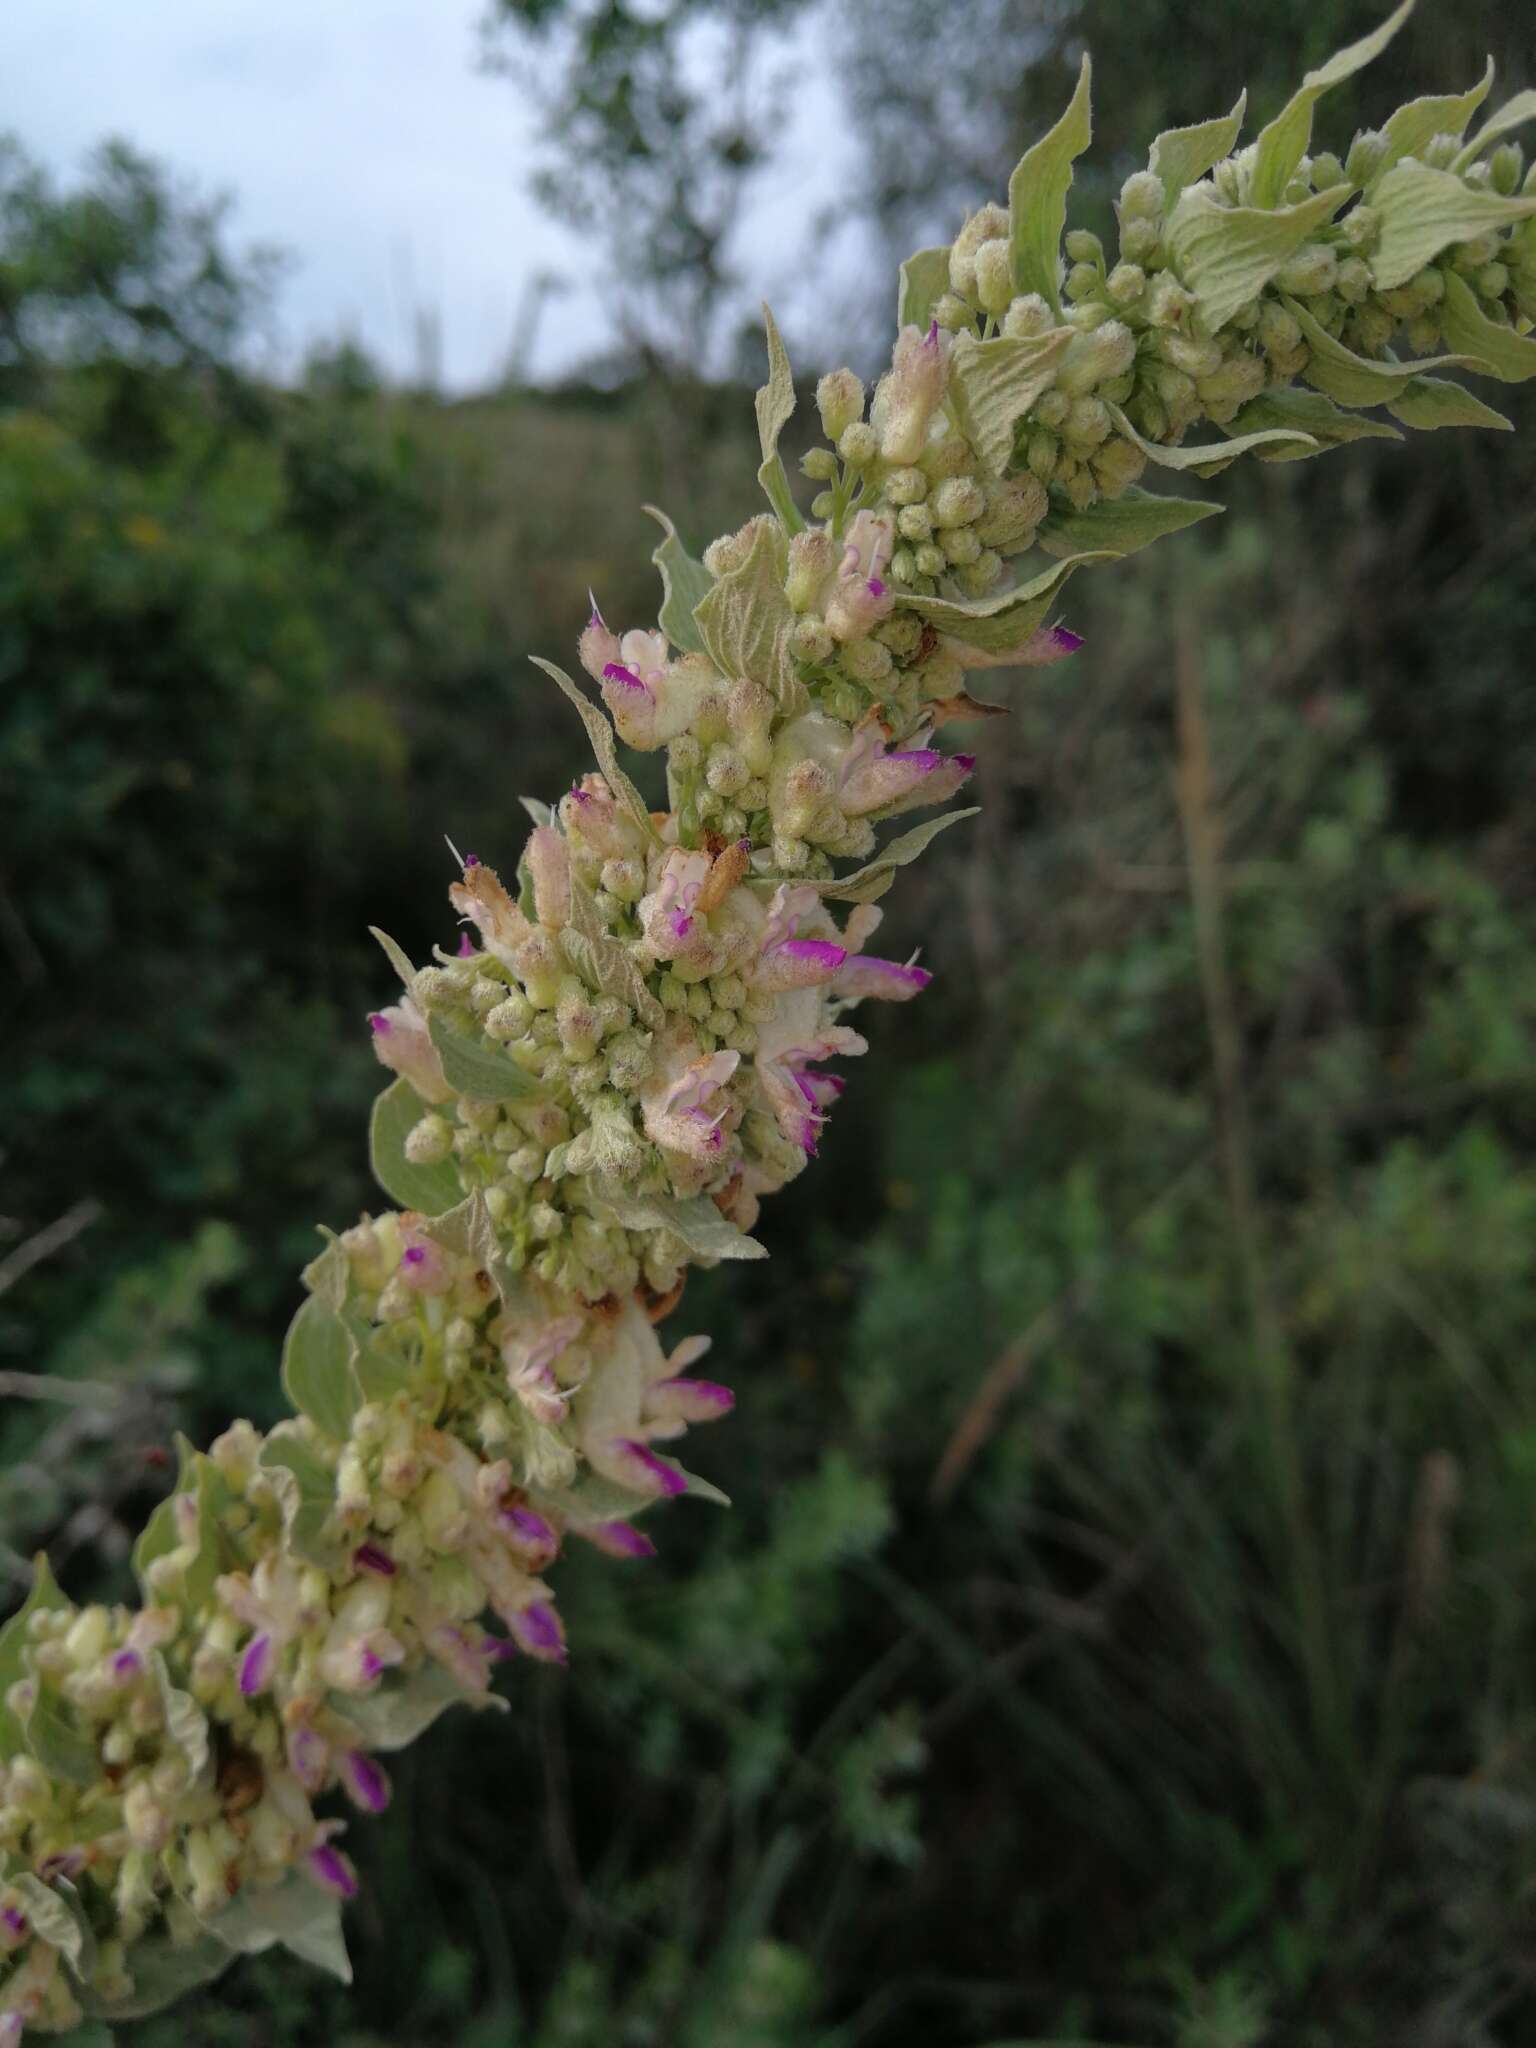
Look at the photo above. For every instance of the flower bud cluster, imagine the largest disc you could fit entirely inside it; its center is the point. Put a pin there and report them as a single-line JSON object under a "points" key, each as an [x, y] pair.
{"points": [[630, 1047]]}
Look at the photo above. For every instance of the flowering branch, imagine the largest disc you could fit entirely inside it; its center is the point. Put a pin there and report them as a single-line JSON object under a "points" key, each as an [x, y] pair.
{"points": [[630, 1047]]}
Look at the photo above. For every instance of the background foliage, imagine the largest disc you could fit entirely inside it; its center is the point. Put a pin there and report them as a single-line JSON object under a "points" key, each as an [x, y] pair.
{"points": [[1124, 1631]]}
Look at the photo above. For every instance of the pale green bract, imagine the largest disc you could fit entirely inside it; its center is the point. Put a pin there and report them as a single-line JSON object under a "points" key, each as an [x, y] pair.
{"points": [[632, 1047]]}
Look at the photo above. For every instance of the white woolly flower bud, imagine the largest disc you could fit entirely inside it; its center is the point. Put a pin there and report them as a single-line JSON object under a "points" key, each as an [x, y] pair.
{"points": [[994, 275], [908, 395], [840, 401], [1027, 316], [549, 867], [1141, 197], [988, 224]]}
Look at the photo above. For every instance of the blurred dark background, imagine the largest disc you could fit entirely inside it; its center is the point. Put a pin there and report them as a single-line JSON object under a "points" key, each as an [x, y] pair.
{"points": [[1125, 1635]]}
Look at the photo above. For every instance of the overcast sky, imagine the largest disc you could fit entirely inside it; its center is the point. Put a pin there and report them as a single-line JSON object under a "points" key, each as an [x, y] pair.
{"points": [[357, 134]]}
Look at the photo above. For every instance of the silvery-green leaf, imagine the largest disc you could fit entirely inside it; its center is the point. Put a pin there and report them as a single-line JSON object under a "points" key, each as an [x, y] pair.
{"points": [[604, 746], [685, 584], [162, 1972], [57, 1744], [992, 384], [58, 1916], [540, 812], [1318, 422], [1430, 402], [306, 1491], [1495, 345], [699, 1489], [198, 1477], [399, 959], [382, 1368], [596, 1499], [185, 1722], [1119, 525], [431, 1189], [1406, 133], [1282, 145], [604, 962], [1513, 114], [775, 403], [924, 281], [317, 1369], [1226, 255], [1423, 211], [1206, 458], [868, 883], [1037, 196], [328, 1276], [746, 622], [473, 1068], [45, 1594], [295, 1913], [1181, 155], [403, 1706], [695, 1219], [1356, 380], [1003, 620]]}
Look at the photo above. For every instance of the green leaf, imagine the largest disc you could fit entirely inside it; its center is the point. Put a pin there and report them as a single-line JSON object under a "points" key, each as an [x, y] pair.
{"points": [[317, 1369], [44, 1596], [1037, 196], [695, 1219], [746, 622], [1513, 114], [306, 1492], [596, 1499], [871, 882], [1436, 114], [162, 1973], [295, 1913], [541, 812], [328, 1276], [474, 1068], [58, 1916], [403, 1705], [603, 962], [1355, 380], [604, 746], [1208, 458], [775, 403], [924, 281], [1180, 156], [1282, 145], [1004, 620], [382, 1368], [685, 584], [992, 384], [1424, 211], [431, 1189], [1226, 255], [1431, 402], [185, 1722], [197, 1476], [1316, 420], [59, 1746], [1509, 356], [698, 1489], [1120, 525], [399, 959]]}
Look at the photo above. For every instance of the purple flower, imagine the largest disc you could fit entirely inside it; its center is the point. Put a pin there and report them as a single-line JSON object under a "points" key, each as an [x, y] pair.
{"points": [[688, 1401], [127, 1664], [332, 1871], [15, 1922], [644, 1469], [256, 1665], [369, 1558], [619, 1539], [537, 1630], [309, 1756], [888, 980], [366, 1782], [534, 1541]]}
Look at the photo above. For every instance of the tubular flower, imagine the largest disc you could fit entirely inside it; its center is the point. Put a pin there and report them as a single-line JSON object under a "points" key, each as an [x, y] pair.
{"points": [[595, 1086]]}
